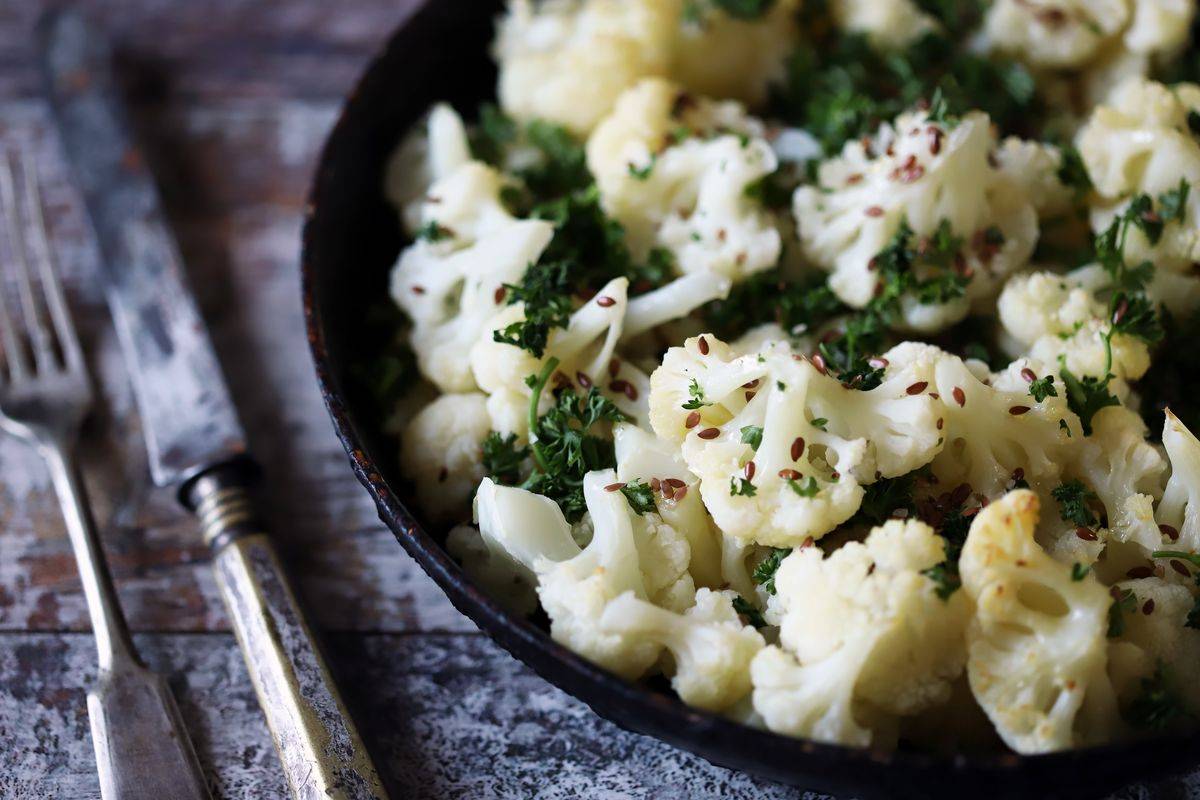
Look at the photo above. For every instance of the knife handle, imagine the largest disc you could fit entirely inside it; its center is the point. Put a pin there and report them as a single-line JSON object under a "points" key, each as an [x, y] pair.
{"points": [[322, 753]]}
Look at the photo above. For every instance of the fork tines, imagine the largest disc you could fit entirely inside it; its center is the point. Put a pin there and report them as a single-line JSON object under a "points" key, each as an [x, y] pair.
{"points": [[46, 341]]}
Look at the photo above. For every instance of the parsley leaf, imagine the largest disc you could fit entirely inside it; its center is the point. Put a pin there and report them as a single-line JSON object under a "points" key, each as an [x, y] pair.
{"points": [[884, 497], [1042, 388], [1079, 571], [640, 497], [1073, 504], [750, 611], [809, 487], [819, 423], [752, 435], [764, 573], [502, 458], [745, 9], [741, 487], [946, 578], [696, 393], [1086, 395], [1124, 602], [1157, 706], [433, 232]]}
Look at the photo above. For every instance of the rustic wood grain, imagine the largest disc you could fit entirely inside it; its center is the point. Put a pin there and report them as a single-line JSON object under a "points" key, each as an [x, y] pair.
{"points": [[232, 99]]}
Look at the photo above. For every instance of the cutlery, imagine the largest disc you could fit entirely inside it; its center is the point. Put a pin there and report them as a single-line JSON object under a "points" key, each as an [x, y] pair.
{"points": [[194, 438], [142, 748]]}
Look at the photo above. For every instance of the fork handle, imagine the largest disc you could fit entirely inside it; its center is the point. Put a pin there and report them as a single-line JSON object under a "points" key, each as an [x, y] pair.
{"points": [[142, 748], [322, 753]]}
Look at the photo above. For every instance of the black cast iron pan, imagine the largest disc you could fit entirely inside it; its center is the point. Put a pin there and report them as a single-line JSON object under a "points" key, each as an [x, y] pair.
{"points": [[351, 239]]}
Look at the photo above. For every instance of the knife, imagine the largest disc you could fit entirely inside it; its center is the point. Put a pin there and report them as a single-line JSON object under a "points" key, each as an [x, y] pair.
{"points": [[194, 438]]}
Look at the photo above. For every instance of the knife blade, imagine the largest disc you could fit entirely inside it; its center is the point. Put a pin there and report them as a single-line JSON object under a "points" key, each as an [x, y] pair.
{"points": [[193, 436]]}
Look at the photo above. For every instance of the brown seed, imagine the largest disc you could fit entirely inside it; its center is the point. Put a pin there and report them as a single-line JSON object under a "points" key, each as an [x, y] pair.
{"points": [[668, 492], [941, 423], [656, 484], [500, 294], [917, 387], [797, 448], [680, 493], [751, 384], [1018, 474], [614, 367], [1021, 562], [709, 433], [1140, 572], [959, 396], [693, 419], [749, 396], [418, 290], [1180, 567], [703, 345], [583, 380], [874, 211], [1169, 531], [935, 396], [1148, 607], [808, 542], [1017, 411], [1029, 375], [1087, 534], [674, 483], [630, 391], [789, 474], [854, 178], [818, 361], [614, 487], [748, 470], [1121, 311]]}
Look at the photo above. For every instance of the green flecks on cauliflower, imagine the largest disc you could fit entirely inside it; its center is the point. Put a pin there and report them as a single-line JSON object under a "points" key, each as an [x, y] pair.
{"points": [[1139, 142], [441, 452], [1037, 643], [926, 174], [451, 288], [711, 647], [674, 171], [865, 637]]}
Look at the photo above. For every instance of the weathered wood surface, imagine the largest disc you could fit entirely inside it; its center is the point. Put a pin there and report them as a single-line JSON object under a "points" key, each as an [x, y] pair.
{"points": [[232, 99]]}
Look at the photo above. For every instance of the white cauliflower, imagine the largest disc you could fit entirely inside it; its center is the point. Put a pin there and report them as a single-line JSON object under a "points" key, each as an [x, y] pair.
{"points": [[926, 174], [451, 288], [865, 636], [586, 352], [1126, 472], [1054, 34], [1037, 644], [567, 61], [643, 456], [1053, 317], [1139, 142], [780, 447], [1035, 166], [686, 191], [1159, 27], [628, 552], [1158, 625], [711, 647], [441, 452], [430, 153], [888, 24], [672, 301], [1180, 506], [721, 55], [991, 431]]}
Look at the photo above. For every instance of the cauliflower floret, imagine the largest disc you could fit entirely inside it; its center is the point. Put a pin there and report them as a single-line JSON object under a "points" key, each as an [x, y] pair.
{"points": [[1035, 166], [1126, 472], [925, 174], [450, 288], [866, 637], [992, 431], [586, 352], [568, 61], [1180, 506], [441, 452], [1037, 644], [1054, 33], [493, 572], [1158, 625], [888, 24], [722, 55], [687, 195], [427, 155], [711, 647], [673, 301], [780, 447], [1140, 143], [1159, 26], [643, 456]]}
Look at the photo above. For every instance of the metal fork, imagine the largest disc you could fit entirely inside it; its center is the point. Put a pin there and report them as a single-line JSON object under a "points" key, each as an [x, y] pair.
{"points": [[142, 749]]}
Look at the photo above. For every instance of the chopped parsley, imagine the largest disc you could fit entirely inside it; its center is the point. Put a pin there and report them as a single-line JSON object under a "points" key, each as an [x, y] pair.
{"points": [[1157, 706], [1079, 571], [1042, 388], [883, 498], [1086, 395], [740, 487], [750, 611], [433, 232], [1124, 602], [1074, 501], [946, 579], [796, 306], [809, 487], [764, 573], [642, 173], [752, 435], [502, 459], [696, 395], [640, 497], [819, 423]]}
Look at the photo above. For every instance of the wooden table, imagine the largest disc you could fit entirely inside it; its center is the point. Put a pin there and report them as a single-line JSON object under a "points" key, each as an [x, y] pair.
{"points": [[233, 99]]}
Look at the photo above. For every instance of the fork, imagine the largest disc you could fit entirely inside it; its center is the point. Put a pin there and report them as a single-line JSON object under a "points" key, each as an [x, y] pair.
{"points": [[142, 748]]}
